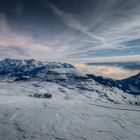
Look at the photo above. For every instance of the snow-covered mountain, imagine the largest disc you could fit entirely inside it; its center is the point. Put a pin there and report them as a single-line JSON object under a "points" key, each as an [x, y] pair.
{"points": [[103, 80], [30, 67], [66, 75], [130, 85], [32, 70]]}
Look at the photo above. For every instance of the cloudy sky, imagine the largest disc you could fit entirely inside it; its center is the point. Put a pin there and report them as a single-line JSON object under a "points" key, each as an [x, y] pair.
{"points": [[75, 31]]}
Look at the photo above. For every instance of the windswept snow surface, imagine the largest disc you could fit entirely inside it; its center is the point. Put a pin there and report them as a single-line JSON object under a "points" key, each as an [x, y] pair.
{"points": [[70, 115]]}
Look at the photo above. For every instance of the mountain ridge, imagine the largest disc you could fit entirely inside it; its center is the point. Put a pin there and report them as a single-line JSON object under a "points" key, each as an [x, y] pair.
{"points": [[62, 73], [130, 85]]}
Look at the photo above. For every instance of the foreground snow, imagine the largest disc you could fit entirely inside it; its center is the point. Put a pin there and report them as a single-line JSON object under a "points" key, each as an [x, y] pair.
{"points": [[69, 115]]}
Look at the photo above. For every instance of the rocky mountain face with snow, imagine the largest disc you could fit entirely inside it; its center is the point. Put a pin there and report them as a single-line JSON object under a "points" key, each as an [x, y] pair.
{"points": [[131, 84], [103, 80], [36, 70], [32, 70], [30, 67]]}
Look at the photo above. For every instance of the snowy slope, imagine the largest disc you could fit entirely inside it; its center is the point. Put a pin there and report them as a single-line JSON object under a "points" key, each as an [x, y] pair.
{"points": [[71, 114], [97, 94]]}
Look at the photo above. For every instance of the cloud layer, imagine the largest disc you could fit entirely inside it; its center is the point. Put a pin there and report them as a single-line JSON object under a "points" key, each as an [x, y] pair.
{"points": [[111, 70]]}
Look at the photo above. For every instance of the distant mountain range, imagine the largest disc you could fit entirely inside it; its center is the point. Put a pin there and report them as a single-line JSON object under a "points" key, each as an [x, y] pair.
{"points": [[130, 85], [29, 67], [37, 70], [62, 73]]}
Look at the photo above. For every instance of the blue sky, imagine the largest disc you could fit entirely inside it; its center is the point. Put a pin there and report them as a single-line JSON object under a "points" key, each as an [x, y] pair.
{"points": [[76, 31]]}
